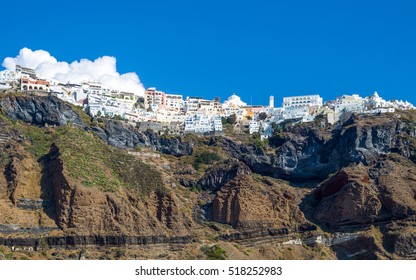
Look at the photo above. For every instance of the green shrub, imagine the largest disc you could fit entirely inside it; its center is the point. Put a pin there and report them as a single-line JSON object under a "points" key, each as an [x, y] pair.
{"points": [[4, 158], [120, 253], [214, 252], [205, 158], [232, 119]]}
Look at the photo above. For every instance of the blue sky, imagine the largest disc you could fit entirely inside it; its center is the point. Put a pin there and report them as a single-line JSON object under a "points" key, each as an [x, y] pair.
{"points": [[214, 48]]}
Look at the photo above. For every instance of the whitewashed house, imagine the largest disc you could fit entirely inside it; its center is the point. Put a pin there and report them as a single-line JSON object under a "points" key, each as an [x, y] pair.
{"points": [[349, 103], [299, 106]]}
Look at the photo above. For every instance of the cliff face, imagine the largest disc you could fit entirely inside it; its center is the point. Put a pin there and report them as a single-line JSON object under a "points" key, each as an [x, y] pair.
{"points": [[87, 211], [352, 184], [363, 195], [247, 204], [220, 174], [122, 136], [51, 111], [306, 152], [40, 110]]}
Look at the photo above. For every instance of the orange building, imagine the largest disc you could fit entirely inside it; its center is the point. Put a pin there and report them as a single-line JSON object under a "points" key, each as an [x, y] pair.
{"points": [[251, 111], [29, 84]]}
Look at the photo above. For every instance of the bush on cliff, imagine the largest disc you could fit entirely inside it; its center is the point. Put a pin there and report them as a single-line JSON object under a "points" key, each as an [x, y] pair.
{"points": [[205, 158], [214, 252]]}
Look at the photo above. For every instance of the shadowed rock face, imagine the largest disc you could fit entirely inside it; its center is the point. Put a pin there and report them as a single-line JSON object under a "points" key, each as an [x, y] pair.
{"points": [[40, 110], [361, 248], [122, 136], [306, 152], [218, 175], [101, 240], [402, 242]]}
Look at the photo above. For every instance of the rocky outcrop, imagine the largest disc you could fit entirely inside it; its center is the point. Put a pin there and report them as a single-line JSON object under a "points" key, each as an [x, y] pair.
{"points": [[218, 175], [347, 199], [40, 110], [245, 203], [124, 136], [307, 152], [233, 206], [370, 196], [87, 211], [51, 111], [22, 174], [360, 248], [364, 195], [69, 241], [11, 174], [402, 242]]}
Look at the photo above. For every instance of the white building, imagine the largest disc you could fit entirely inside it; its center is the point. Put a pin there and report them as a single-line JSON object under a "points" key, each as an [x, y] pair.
{"points": [[301, 106], [239, 112], [72, 93], [116, 104], [192, 104], [302, 101], [93, 88], [375, 101], [9, 76], [217, 121], [4, 85], [200, 105], [23, 72], [139, 115], [234, 101], [271, 102], [266, 130], [402, 105], [168, 116], [349, 103], [173, 102], [153, 97], [254, 126], [159, 100], [201, 124]]}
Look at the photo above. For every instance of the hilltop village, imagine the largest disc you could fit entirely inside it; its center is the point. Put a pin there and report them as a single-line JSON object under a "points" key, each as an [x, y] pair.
{"points": [[172, 114]]}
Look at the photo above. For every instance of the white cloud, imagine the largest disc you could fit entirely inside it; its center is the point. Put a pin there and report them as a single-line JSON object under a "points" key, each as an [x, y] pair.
{"points": [[102, 69], [28, 58]]}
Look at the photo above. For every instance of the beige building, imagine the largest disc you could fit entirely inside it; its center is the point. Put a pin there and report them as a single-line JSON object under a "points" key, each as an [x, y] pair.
{"points": [[29, 84]]}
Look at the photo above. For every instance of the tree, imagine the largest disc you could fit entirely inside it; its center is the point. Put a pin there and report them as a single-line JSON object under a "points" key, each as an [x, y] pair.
{"points": [[217, 99], [206, 158], [224, 120], [262, 116], [118, 117], [232, 119], [278, 137]]}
